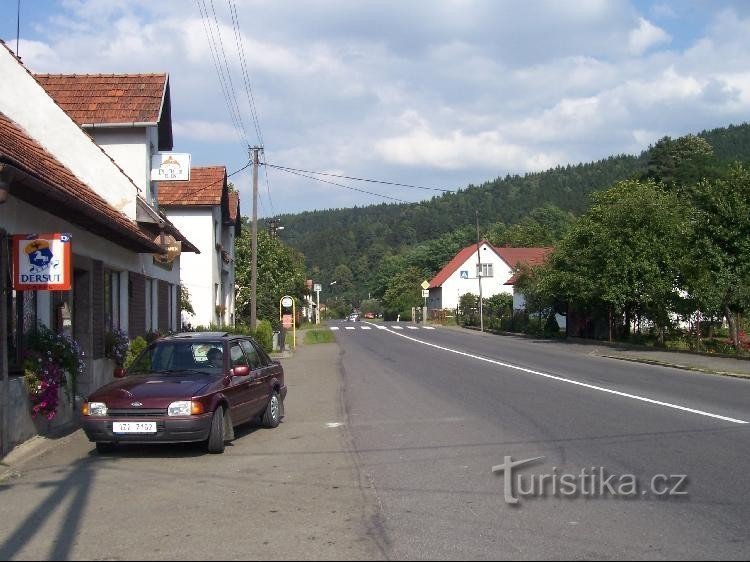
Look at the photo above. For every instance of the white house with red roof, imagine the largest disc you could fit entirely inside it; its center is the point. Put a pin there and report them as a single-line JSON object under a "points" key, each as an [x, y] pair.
{"points": [[204, 207], [498, 274]]}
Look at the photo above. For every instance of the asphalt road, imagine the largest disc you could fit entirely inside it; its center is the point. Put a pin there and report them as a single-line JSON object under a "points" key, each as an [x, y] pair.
{"points": [[431, 412]]}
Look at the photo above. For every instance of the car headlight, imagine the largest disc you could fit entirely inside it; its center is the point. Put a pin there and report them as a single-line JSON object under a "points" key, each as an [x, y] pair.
{"points": [[95, 409], [181, 408], [185, 408]]}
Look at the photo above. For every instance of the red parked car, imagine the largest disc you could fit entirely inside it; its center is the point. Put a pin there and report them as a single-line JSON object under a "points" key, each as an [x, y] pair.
{"points": [[188, 387]]}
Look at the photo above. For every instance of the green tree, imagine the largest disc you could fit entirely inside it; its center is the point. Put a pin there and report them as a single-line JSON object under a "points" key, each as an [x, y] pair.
{"points": [[281, 271], [403, 293], [719, 271], [626, 254]]}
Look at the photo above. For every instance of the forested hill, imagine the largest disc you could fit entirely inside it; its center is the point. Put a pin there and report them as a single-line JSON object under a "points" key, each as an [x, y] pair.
{"points": [[365, 234]]}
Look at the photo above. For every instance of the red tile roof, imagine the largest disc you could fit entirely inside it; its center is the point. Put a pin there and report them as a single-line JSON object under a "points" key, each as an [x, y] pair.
{"points": [[452, 266], [522, 256], [205, 188], [512, 256], [49, 185], [108, 98]]}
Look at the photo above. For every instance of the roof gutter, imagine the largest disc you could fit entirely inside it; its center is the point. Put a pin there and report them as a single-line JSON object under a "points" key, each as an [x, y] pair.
{"points": [[130, 125]]}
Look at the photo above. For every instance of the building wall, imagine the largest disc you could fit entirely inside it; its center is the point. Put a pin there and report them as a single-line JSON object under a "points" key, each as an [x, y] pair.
{"points": [[130, 148], [24, 101], [199, 272]]}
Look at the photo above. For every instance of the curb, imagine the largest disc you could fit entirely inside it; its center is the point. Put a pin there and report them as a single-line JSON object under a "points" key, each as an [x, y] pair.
{"points": [[658, 363], [30, 450]]}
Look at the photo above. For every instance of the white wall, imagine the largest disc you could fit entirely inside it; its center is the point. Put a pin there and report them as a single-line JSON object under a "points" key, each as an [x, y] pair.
{"points": [[130, 148], [454, 287], [199, 272], [24, 101]]}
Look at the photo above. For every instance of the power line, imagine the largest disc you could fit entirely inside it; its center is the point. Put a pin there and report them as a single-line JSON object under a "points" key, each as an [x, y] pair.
{"points": [[228, 73], [296, 173], [288, 169], [240, 42], [239, 130]]}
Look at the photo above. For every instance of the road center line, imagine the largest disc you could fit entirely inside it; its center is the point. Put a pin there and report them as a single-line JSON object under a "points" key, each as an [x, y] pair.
{"points": [[574, 382]]}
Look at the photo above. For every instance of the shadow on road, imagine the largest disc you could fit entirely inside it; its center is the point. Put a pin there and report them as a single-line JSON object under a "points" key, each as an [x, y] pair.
{"points": [[77, 484]]}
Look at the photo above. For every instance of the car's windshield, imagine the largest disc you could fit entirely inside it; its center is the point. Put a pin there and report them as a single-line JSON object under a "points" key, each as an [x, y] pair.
{"points": [[170, 357]]}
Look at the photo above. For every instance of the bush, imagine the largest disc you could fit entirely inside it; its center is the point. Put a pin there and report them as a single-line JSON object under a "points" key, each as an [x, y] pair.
{"points": [[264, 335], [136, 347]]}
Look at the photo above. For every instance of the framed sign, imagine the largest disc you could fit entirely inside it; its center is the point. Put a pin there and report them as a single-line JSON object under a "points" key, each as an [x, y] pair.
{"points": [[170, 166], [42, 262]]}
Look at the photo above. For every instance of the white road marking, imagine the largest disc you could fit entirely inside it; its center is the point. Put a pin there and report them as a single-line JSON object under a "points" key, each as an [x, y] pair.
{"points": [[334, 328], [366, 328], [412, 328], [397, 328], [333, 425], [429, 327], [574, 382], [381, 327], [350, 328]]}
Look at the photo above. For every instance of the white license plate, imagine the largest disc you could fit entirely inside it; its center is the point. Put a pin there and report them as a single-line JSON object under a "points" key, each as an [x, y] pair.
{"points": [[134, 427]]}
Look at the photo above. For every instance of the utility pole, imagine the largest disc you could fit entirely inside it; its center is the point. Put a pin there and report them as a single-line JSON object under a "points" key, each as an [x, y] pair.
{"points": [[254, 269], [479, 276]]}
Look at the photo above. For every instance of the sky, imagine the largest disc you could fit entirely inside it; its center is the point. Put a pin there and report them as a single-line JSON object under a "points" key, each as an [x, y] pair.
{"points": [[439, 94]]}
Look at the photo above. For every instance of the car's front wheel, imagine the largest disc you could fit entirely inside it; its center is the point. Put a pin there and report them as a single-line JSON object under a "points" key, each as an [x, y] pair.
{"points": [[272, 415], [216, 435]]}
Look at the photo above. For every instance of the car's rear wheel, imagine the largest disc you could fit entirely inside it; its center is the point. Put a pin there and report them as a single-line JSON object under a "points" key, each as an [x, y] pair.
{"points": [[216, 436], [272, 415]]}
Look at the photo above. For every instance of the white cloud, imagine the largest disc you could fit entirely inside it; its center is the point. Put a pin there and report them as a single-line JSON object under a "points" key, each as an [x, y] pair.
{"points": [[207, 131], [646, 36]]}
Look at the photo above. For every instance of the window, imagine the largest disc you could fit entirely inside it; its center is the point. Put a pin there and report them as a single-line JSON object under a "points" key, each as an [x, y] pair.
{"points": [[256, 360], [237, 356], [111, 300], [486, 270]]}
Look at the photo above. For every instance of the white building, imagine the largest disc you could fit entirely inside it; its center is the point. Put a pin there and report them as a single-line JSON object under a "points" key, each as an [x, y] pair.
{"points": [[206, 209], [55, 179]]}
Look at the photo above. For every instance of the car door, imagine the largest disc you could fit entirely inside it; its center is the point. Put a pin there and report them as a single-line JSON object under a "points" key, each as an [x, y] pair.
{"points": [[241, 388], [261, 393]]}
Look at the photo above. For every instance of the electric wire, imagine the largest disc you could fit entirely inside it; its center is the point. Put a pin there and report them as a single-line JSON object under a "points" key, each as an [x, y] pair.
{"points": [[229, 74], [217, 66], [288, 169]]}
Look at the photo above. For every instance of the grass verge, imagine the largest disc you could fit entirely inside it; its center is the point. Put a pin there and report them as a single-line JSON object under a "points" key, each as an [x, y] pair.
{"points": [[319, 336]]}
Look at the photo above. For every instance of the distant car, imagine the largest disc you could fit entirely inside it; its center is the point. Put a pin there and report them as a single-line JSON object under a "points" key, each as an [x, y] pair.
{"points": [[188, 387], [369, 315], [353, 317]]}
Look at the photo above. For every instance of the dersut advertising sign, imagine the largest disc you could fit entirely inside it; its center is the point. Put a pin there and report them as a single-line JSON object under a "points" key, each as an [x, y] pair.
{"points": [[42, 262]]}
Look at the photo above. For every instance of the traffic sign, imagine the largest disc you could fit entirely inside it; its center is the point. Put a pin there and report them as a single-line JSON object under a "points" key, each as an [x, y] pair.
{"points": [[425, 284]]}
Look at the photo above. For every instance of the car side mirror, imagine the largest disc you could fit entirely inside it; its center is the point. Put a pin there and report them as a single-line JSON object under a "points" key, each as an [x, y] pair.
{"points": [[119, 373], [241, 371]]}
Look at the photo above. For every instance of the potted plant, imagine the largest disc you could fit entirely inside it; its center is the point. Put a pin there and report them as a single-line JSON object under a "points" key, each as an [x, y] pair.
{"points": [[116, 344], [51, 361]]}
